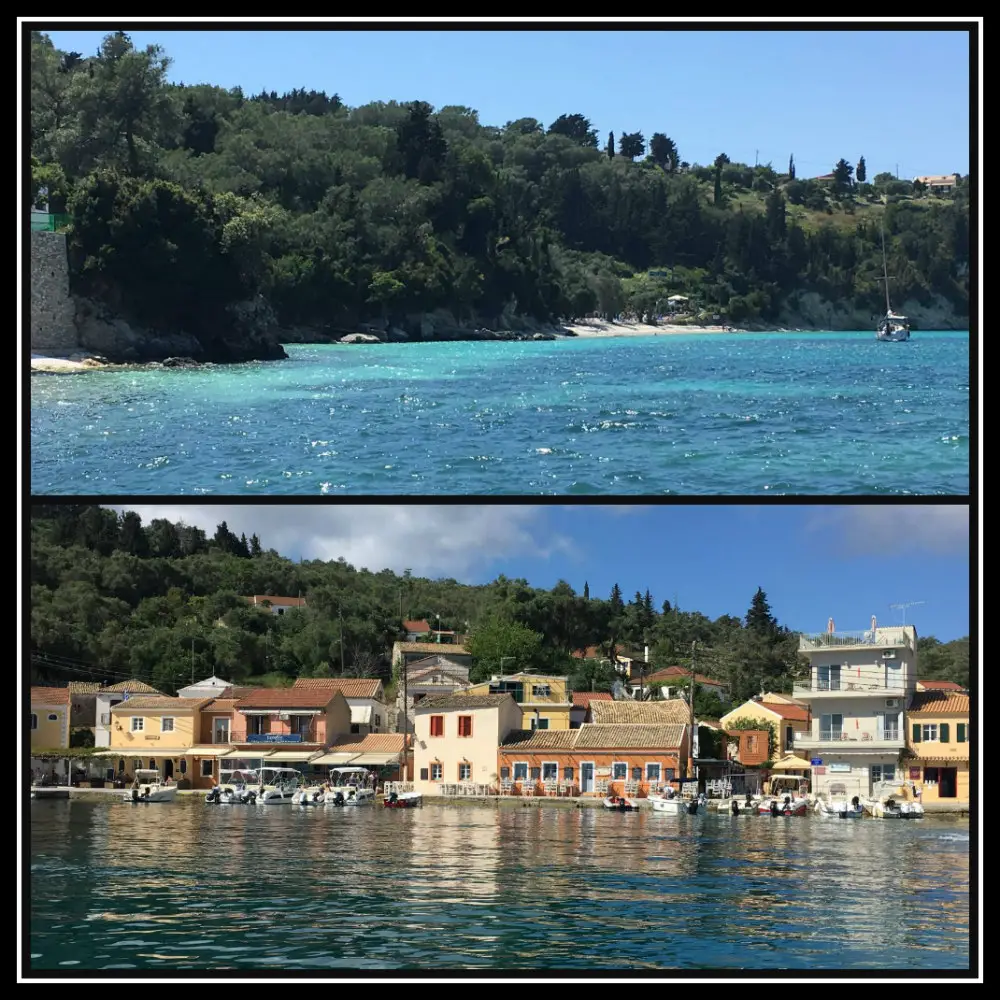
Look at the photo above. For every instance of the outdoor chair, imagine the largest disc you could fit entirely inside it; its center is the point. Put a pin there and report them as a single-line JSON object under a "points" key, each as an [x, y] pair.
{"points": [[505, 786]]}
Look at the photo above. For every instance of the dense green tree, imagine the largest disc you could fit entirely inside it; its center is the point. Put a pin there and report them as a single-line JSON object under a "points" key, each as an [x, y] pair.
{"points": [[575, 127], [631, 144], [720, 161], [421, 143], [610, 147], [663, 150], [499, 645], [791, 167], [759, 618], [842, 173], [861, 171]]}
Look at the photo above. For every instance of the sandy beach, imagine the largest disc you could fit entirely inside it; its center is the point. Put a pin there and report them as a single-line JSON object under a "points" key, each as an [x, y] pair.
{"points": [[70, 363], [605, 328]]}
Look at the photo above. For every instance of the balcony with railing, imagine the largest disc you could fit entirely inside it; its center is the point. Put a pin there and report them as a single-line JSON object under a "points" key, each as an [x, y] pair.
{"points": [[817, 641], [851, 739]]}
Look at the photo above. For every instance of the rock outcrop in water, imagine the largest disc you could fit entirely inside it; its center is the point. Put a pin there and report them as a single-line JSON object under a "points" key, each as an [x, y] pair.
{"points": [[249, 334]]}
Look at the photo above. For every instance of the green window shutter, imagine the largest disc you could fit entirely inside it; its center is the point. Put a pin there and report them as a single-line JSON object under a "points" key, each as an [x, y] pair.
{"points": [[944, 732], [960, 735], [916, 732]]}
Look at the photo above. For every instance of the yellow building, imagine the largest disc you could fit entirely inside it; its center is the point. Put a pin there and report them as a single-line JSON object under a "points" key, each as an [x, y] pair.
{"points": [[791, 720], [50, 708], [157, 732], [543, 699], [937, 727]]}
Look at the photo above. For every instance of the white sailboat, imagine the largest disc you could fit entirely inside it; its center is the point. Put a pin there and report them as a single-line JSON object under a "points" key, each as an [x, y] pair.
{"points": [[893, 327]]}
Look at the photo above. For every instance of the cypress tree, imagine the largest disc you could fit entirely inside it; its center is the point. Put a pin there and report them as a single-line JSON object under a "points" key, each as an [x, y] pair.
{"points": [[611, 146]]}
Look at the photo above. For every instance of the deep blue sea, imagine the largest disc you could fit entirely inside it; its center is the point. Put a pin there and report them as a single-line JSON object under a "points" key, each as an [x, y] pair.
{"points": [[760, 414], [183, 885]]}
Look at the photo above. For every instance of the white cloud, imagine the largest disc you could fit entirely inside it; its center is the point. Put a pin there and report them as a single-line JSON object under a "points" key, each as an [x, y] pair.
{"points": [[889, 530], [447, 540]]}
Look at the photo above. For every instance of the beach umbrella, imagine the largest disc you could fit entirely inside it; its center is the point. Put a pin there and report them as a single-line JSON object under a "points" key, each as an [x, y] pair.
{"points": [[829, 626]]}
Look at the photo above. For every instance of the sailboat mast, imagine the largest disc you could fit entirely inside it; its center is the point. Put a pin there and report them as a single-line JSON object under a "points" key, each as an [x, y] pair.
{"points": [[885, 275]]}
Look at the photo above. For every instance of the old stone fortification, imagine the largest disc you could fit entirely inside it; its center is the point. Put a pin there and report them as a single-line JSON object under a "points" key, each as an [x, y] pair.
{"points": [[52, 310]]}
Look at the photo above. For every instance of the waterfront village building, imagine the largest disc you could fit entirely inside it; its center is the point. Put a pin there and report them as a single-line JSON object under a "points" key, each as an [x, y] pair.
{"points": [[384, 751], [858, 688], [419, 627], [83, 704], [365, 698], [157, 732], [581, 702], [634, 759], [543, 698], [749, 747], [106, 700], [50, 716], [427, 677], [405, 653], [456, 738], [276, 605], [938, 736], [675, 682], [939, 686], [786, 717], [639, 713], [210, 687], [306, 718]]}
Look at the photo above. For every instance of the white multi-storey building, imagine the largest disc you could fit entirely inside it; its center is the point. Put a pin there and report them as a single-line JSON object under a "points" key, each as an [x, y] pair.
{"points": [[858, 689]]}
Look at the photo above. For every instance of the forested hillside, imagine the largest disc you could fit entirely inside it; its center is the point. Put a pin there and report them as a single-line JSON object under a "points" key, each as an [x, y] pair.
{"points": [[112, 598], [193, 207]]}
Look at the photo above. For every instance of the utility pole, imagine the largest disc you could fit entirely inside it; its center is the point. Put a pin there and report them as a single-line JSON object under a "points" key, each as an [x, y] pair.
{"points": [[406, 771], [340, 616], [192, 661]]}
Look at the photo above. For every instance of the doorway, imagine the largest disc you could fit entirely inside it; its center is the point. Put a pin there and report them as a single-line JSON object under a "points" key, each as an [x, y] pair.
{"points": [[168, 769], [586, 778], [947, 782]]}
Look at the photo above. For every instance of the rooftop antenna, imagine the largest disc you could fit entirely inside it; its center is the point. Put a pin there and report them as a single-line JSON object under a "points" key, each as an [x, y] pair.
{"points": [[903, 605]]}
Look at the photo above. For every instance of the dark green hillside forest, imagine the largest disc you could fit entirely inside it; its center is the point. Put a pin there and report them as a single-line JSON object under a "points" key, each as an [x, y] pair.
{"points": [[192, 206], [112, 598]]}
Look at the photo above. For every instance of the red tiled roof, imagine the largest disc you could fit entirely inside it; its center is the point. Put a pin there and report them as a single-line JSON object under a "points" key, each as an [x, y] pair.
{"points": [[794, 713], [371, 743], [582, 699], [278, 602], [417, 625], [444, 648], [589, 653], [287, 698], [132, 687], [160, 703], [673, 673], [939, 701], [236, 692], [221, 705], [940, 686], [352, 687], [50, 696]]}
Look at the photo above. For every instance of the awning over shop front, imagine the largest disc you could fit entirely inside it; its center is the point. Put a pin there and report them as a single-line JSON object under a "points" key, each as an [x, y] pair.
{"points": [[290, 756], [361, 715], [334, 759], [146, 752], [380, 759], [243, 754], [210, 751], [791, 763]]}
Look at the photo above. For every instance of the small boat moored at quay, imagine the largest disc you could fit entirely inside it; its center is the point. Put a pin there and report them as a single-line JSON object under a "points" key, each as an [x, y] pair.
{"points": [[836, 805], [235, 787], [402, 800], [148, 787], [350, 786], [278, 785], [677, 805], [621, 803], [885, 805], [312, 795]]}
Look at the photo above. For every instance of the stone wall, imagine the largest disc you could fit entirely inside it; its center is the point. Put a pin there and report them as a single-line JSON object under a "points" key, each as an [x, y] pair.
{"points": [[52, 310]]}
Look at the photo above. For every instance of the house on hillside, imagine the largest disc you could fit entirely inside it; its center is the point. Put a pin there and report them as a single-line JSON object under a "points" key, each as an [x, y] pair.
{"points": [[408, 652], [675, 682], [210, 687], [938, 183], [788, 719], [543, 699], [276, 605], [416, 629], [939, 686], [427, 677], [581, 703]]}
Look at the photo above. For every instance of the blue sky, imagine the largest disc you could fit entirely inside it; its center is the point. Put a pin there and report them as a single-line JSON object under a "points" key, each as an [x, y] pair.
{"points": [[814, 562], [898, 98]]}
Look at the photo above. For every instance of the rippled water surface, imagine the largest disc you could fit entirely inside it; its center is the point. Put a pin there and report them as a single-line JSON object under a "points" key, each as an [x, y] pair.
{"points": [[189, 886], [722, 414]]}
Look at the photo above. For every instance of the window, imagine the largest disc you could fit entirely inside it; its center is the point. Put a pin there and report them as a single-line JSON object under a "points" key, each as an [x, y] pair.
{"points": [[206, 768], [184, 765], [166, 724], [929, 733], [437, 725], [550, 771], [105, 718], [465, 725], [152, 764], [53, 717], [121, 765], [536, 773], [257, 725], [521, 771], [637, 774], [961, 734], [137, 724], [789, 738], [539, 723], [423, 774], [435, 772], [831, 727], [828, 678], [541, 691], [378, 721], [504, 773], [945, 734], [619, 771], [751, 743], [883, 772], [567, 774], [300, 724], [464, 772], [356, 728], [668, 774], [653, 772], [930, 775], [34, 721]]}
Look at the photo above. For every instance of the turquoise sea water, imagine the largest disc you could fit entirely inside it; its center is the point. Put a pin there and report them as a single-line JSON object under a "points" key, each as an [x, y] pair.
{"points": [[759, 414], [189, 886]]}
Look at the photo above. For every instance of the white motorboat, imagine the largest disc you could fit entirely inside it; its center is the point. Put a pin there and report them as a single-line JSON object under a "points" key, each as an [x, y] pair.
{"points": [[309, 795], [235, 787], [677, 805], [148, 787], [621, 803], [402, 800], [892, 327], [350, 786], [836, 805], [278, 785], [782, 797], [902, 805]]}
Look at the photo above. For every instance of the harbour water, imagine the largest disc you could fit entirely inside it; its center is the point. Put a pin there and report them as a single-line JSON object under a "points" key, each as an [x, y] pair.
{"points": [[758, 414], [190, 886]]}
